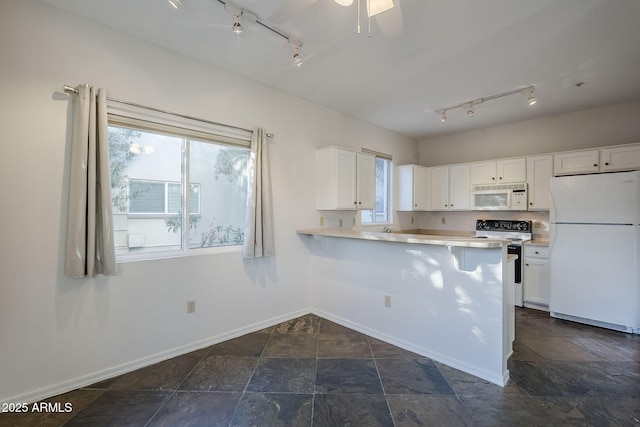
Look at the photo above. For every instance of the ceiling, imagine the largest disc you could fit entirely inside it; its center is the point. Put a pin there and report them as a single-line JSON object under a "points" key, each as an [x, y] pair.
{"points": [[578, 53]]}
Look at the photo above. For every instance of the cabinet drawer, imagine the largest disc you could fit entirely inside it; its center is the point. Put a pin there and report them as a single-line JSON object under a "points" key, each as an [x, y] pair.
{"points": [[535, 251]]}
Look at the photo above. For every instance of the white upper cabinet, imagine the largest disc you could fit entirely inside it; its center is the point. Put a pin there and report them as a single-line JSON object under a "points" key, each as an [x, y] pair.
{"points": [[449, 188], [539, 173], [626, 157], [606, 159], [483, 173], [511, 171], [439, 188], [345, 179], [576, 162], [499, 172], [413, 191], [459, 186]]}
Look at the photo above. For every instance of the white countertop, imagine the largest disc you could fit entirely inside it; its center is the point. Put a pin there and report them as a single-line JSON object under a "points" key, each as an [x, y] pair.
{"points": [[419, 239]]}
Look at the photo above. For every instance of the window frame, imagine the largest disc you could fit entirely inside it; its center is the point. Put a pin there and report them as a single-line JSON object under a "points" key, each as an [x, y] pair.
{"points": [[389, 190], [189, 129]]}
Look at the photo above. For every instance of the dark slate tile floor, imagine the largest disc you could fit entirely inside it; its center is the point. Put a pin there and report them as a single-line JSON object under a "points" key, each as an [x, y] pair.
{"points": [[313, 372]]}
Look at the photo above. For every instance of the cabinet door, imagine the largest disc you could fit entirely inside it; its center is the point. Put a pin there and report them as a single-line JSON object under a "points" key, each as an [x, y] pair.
{"points": [[439, 188], [511, 170], [335, 179], [483, 173], [620, 158], [419, 188], [539, 173], [459, 187], [366, 181], [346, 179], [576, 162], [536, 282]]}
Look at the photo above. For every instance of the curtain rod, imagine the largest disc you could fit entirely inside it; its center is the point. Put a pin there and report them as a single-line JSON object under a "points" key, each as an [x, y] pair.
{"points": [[68, 88]]}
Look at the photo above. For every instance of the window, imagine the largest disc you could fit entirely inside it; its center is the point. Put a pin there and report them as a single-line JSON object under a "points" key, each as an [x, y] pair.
{"points": [[382, 212], [164, 176], [157, 197]]}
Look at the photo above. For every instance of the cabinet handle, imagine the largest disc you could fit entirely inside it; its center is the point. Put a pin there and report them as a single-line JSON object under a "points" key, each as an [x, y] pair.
{"points": [[500, 178], [493, 178], [537, 252], [595, 165], [606, 163], [359, 203], [531, 203], [527, 265]]}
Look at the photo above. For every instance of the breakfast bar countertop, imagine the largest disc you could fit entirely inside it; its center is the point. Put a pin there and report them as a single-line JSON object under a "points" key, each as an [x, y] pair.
{"points": [[398, 237]]}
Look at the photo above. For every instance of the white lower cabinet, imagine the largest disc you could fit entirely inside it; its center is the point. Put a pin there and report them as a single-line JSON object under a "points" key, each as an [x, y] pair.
{"points": [[536, 277]]}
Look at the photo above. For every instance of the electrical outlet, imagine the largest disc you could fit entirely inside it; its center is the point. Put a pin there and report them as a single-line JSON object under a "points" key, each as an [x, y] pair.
{"points": [[321, 221], [340, 222], [537, 224], [443, 220], [387, 301], [191, 306]]}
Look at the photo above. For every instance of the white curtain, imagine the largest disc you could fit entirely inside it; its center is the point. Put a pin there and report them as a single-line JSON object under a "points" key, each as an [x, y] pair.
{"points": [[258, 236], [89, 246]]}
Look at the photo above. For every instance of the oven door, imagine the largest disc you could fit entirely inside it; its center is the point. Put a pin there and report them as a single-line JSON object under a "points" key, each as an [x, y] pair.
{"points": [[491, 200]]}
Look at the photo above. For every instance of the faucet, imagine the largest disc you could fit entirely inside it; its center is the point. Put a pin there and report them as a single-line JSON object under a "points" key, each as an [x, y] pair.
{"points": [[387, 230]]}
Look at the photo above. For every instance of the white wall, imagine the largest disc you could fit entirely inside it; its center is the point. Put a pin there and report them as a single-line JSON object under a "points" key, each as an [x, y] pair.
{"points": [[58, 333]]}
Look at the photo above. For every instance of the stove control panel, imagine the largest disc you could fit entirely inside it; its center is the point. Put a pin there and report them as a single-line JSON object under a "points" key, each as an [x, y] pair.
{"points": [[503, 225]]}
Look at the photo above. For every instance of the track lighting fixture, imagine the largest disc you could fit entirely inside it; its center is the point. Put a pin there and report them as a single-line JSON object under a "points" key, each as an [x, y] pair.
{"points": [[175, 3], [297, 60], [531, 100], [241, 15], [470, 105], [237, 24]]}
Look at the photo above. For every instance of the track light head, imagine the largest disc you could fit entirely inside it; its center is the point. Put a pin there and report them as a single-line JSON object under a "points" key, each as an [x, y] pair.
{"points": [[297, 60], [237, 24], [175, 3], [443, 116], [470, 112]]}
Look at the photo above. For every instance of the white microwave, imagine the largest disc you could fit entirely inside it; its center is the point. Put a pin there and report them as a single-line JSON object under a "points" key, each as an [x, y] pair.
{"points": [[500, 197]]}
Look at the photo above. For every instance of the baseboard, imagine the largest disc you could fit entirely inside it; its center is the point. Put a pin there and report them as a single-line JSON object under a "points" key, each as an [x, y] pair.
{"points": [[86, 380]]}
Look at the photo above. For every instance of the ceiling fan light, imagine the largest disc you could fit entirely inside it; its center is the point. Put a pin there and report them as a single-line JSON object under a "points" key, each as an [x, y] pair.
{"points": [[344, 2], [378, 6]]}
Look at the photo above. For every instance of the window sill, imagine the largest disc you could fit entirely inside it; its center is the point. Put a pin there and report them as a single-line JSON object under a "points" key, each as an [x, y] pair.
{"points": [[152, 256]]}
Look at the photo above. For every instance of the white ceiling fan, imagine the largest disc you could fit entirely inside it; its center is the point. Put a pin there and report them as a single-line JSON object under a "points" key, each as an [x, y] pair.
{"points": [[387, 13]]}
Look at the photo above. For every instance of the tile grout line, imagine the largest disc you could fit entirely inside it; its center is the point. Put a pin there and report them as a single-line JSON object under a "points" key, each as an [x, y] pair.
{"points": [[384, 392], [175, 390]]}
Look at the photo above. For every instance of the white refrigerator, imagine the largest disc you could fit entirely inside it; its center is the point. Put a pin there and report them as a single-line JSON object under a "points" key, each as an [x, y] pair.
{"points": [[594, 263]]}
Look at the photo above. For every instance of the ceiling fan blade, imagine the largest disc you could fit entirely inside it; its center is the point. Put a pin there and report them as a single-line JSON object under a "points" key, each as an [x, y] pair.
{"points": [[390, 22], [289, 10]]}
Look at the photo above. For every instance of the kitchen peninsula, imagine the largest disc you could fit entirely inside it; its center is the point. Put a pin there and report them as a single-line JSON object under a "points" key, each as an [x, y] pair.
{"points": [[442, 297]]}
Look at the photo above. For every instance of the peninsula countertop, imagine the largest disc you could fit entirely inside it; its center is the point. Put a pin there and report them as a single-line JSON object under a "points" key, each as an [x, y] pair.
{"points": [[398, 237]]}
